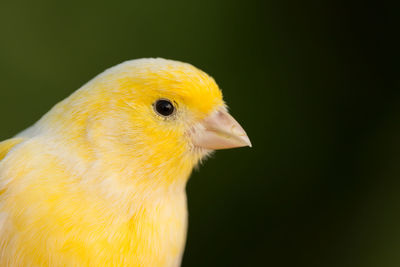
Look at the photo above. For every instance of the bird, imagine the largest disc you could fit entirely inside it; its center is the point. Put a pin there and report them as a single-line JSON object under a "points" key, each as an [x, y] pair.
{"points": [[100, 180]]}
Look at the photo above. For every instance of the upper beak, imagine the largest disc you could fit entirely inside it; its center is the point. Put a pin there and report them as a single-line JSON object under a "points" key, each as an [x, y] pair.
{"points": [[219, 131]]}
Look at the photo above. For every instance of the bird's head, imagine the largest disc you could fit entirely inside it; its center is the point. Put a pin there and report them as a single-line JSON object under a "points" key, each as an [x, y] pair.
{"points": [[159, 111]]}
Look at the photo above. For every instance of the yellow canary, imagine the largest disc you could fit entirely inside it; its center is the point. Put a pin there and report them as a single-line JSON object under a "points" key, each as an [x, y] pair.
{"points": [[100, 179]]}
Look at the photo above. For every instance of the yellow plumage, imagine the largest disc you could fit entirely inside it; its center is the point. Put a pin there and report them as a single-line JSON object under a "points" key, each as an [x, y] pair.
{"points": [[100, 179]]}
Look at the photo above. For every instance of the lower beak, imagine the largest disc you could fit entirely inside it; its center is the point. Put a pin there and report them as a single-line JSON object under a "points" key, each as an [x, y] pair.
{"points": [[219, 131]]}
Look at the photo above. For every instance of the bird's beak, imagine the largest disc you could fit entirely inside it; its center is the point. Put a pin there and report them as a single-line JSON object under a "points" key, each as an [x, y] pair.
{"points": [[219, 131]]}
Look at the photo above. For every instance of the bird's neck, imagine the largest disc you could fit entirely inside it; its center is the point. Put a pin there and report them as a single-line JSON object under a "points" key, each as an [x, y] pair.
{"points": [[123, 178]]}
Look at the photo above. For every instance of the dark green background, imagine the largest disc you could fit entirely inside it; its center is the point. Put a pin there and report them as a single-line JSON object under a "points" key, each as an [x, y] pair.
{"points": [[315, 84]]}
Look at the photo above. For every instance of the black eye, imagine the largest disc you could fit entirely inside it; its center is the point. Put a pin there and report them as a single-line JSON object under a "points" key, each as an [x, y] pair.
{"points": [[164, 107]]}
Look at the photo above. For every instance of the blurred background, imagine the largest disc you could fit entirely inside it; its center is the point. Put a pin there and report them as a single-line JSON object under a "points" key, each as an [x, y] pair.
{"points": [[315, 84]]}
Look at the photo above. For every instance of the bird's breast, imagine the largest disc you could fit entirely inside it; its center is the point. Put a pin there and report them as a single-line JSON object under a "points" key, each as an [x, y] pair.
{"points": [[50, 216]]}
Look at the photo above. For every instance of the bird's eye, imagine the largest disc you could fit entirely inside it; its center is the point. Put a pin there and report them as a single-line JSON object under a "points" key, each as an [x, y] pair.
{"points": [[164, 107]]}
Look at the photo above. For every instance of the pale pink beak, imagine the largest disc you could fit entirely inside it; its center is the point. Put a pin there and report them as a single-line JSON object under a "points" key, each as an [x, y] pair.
{"points": [[219, 131]]}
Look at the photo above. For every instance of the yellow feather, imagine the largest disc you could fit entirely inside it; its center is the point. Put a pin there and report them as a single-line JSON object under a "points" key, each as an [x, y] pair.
{"points": [[100, 180], [7, 145]]}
